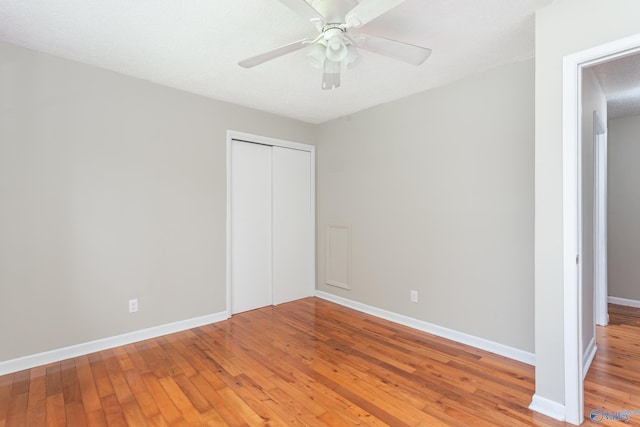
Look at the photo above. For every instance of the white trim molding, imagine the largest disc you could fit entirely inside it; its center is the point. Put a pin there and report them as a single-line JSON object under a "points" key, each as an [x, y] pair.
{"points": [[571, 137], [624, 301], [587, 357], [601, 264], [571, 103], [52, 356], [460, 337], [547, 407]]}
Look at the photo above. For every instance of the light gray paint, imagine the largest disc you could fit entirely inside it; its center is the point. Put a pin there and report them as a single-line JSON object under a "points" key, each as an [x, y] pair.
{"points": [[624, 208], [115, 188], [110, 188], [438, 190], [593, 99], [563, 28]]}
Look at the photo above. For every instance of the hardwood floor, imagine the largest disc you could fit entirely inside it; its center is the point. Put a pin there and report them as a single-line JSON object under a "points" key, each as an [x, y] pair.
{"points": [[306, 363], [613, 382]]}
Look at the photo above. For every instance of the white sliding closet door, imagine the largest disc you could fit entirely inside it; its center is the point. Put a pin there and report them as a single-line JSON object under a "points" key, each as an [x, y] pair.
{"points": [[271, 222], [292, 225], [250, 226]]}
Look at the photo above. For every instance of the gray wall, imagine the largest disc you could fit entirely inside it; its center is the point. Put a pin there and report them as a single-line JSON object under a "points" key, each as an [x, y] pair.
{"points": [[438, 190], [624, 208], [110, 188], [115, 188], [593, 99], [563, 28]]}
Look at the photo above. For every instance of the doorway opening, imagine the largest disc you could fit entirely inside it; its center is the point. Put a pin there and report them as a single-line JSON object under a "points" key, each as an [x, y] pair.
{"points": [[573, 67]]}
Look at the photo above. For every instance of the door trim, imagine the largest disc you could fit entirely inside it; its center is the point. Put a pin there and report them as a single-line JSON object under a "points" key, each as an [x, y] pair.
{"points": [[571, 137], [274, 142], [600, 276]]}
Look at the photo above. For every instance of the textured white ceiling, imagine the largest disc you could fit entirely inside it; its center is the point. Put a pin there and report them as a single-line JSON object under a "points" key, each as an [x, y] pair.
{"points": [[620, 81], [195, 45]]}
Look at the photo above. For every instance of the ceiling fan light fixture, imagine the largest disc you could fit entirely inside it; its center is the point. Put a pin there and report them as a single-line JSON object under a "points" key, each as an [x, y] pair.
{"points": [[353, 57], [336, 46], [336, 49], [317, 55], [331, 75]]}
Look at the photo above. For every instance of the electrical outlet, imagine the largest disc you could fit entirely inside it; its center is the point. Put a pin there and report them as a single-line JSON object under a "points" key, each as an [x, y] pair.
{"points": [[414, 296], [133, 305]]}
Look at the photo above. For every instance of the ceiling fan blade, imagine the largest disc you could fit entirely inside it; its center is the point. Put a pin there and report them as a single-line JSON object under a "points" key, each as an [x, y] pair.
{"points": [[368, 10], [304, 9], [401, 51], [331, 75], [275, 53]]}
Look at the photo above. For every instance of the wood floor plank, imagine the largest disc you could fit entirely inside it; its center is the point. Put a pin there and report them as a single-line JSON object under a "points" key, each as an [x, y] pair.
{"points": [[116, 376], [147, 404], [178, 360], [135, 351], [286, 407], [213, 418], [20, 383], [181, 401], [156, 360], [17, 411], [122, 356], [100, 377], [327, 393], [220, 411], [241, 408], [191, 353], [37, 402], [193, 394], [334, 419], [253, 395], [96, 419], [133, 414], [309, 363], [113, 411], [75, 414], [54, 379], [56, 415], [144, 399], [159, 421], [88, 389], [70, 384], [165, 405], [6, 383]]}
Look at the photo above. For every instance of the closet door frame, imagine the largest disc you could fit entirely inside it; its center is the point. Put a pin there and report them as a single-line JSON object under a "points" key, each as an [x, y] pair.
{"points": [[274, 142]]}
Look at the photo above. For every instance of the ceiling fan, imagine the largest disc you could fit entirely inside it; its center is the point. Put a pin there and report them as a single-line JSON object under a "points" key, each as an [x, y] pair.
{"points": [[335, 46]]}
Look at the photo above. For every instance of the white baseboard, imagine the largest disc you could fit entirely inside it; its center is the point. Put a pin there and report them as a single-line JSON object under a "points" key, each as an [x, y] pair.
{"points": [[587, 357], [52, 356], [461, 337], [624, 301], [547, 407]]}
